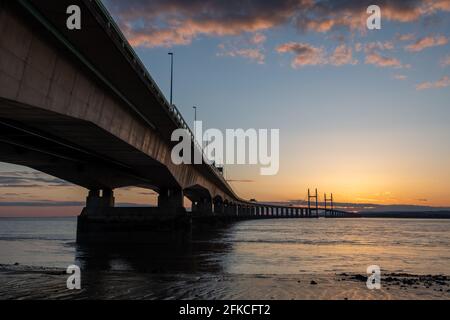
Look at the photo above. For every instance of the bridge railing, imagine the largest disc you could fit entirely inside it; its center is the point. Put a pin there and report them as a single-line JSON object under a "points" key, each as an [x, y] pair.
{"points": [[173, 110]]}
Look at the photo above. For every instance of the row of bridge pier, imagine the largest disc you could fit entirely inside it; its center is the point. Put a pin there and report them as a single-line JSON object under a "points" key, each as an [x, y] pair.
{"points": [[169, 203], [102, 220], [260, 210]]}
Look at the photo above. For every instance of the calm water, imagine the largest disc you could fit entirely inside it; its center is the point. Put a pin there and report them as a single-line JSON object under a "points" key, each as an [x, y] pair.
{"points": [[284, 246]]}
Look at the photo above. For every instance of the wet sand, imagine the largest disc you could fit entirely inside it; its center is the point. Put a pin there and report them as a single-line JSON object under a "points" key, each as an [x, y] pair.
{"points": [[21, 282]]}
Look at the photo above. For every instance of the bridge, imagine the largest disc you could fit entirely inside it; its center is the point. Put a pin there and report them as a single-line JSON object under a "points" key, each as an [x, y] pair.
{"points": [[80, 105]]}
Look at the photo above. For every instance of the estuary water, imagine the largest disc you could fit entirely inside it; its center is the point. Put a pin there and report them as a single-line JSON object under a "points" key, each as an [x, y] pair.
{"points": [[278, 246], [248, 254]]}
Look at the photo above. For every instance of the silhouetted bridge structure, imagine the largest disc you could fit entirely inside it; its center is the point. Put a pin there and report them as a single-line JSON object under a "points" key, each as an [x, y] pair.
{"points": [[80, 105]]}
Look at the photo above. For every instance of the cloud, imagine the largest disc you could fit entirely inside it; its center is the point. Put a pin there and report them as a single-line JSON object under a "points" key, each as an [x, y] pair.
{"points": [[178, 22], [378, 45], [342, 55], [324, 16], [374, 57], [305, 54], [308, 55], [253, 54], [382, 61], [247, 47], [405, 37], [441, 83], [42, 203], [427, 42], [27, 179], [400, 77], [258, 39]]}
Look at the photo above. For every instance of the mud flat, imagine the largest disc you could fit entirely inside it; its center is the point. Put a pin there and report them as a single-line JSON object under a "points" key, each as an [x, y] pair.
{"points": [[22, 282]]}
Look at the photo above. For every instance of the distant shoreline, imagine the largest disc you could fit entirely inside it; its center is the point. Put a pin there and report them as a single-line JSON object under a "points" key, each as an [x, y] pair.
{"points": [[387, 214], [407, 215]]}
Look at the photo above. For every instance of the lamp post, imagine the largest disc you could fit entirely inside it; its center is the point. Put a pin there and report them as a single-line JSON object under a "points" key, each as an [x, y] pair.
{"points": [[195, 114], [171, 77], [195, 123]]}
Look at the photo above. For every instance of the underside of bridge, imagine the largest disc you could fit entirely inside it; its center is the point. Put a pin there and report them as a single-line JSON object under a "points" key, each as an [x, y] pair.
{"points": [[80, 106]]}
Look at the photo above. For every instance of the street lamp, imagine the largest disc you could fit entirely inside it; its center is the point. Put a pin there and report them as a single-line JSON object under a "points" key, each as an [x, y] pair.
{"points": [[171, 76], [195, 114], [195, 120]]}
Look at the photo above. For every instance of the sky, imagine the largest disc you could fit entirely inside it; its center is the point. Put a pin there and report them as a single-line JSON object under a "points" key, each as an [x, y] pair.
{"points": [[362, 113]]}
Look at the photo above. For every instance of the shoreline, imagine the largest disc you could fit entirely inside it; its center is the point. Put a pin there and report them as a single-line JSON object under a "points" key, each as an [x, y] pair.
{"points": [[25, 282]]}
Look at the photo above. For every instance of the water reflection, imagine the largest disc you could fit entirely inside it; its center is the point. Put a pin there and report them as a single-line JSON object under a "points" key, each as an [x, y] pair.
{"points": [[200, 251]]}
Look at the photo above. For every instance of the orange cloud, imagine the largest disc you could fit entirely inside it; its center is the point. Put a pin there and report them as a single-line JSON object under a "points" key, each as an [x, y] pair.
{"points": [[374, 57], [441, 83], [406, 37], [427, 42], [178, 22], [342, 55], [250, 47], [308, 55], [258, 39], [305, 54], [371, 46], [382, 61], [253, 54]]}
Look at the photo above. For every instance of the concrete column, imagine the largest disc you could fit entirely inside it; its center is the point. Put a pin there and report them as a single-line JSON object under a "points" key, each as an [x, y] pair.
{"points": [[95, 200], [170, 200], [232, 209], [218, 207], [226, 208], [206, 206], [108, 197], [203, 206]]}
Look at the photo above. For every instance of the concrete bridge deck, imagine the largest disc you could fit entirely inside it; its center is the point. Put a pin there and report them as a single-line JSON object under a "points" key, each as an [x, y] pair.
{"points": [[81, 106]]}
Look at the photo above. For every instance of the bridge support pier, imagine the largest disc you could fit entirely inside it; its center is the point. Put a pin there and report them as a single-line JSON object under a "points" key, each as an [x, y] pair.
{"points": [[218, 207], [203, 206], [97, 200], [101, 222], [170, 200]]}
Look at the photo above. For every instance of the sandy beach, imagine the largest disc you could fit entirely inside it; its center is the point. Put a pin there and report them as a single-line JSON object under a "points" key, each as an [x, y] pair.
{"points": [[21, 282]]}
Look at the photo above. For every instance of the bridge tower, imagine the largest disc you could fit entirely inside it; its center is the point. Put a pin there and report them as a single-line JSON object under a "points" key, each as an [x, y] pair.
{"points": [[315, 197], [329, 211]]}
